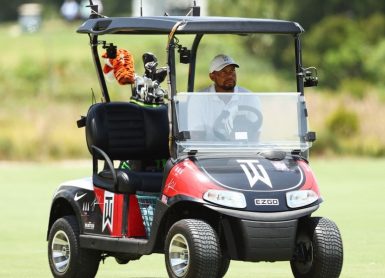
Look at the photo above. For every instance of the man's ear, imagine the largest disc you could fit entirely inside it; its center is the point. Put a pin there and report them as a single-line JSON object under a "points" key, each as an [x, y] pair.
{"points": [[212, 76]]}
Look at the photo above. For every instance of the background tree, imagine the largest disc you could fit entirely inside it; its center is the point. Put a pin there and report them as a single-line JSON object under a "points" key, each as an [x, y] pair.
{"points": [[9, 12], [345, 38]]}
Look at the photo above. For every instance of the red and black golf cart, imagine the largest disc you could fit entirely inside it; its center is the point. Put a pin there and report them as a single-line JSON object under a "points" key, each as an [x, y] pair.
{"points": [[231, 182]]}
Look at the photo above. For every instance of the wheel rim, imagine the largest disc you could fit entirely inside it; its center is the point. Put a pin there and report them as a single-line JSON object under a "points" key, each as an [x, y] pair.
{"points": [[179, 255], [61, 252]]}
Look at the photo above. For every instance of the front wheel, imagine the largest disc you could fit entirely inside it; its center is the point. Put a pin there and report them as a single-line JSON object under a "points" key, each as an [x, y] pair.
{"points": [[66, 258], [319, 252], [224, 266], [192, 250]]}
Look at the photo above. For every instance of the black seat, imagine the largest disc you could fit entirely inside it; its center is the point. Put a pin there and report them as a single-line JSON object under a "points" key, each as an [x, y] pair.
{"points": [[127, 131]]}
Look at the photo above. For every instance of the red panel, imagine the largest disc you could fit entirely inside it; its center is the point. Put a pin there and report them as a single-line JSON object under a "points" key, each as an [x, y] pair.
{"points": [[186, 179], [135, 222], [135, 227], [111, 224], [310, 182]]}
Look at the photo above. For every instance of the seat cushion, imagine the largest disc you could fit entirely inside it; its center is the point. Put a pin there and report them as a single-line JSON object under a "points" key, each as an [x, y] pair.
{"points": [[129, 181]]}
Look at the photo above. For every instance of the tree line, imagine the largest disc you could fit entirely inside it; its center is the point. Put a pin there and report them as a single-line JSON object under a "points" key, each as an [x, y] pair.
{"points": [[9, 9], [345, 39]]}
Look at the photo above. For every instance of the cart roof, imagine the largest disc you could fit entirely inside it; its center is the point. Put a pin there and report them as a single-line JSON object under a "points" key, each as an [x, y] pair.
{"points": [[189, 25]]}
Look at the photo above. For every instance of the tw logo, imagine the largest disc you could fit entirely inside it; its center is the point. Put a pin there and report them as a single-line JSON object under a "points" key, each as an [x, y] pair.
{"points": [[108, 211], [254, 172]]}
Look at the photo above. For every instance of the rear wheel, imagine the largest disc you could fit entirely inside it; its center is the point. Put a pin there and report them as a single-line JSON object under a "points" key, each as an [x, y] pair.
{"points": [[66, 258], [319, 252], [192, 250]]}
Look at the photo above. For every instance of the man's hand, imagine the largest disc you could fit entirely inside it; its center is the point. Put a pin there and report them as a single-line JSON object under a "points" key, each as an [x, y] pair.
{"points": [[223, 125]]}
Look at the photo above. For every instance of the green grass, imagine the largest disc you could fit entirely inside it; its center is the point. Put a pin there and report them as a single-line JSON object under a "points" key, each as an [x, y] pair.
{"points": [[353, 191]]}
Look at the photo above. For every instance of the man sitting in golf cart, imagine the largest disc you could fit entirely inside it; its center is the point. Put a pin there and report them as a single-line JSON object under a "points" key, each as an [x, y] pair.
{"points": [[222, 72], [214, 115]]}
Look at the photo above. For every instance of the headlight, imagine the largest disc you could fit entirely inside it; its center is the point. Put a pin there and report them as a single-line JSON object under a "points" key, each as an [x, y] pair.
{"points": [[300, 198], [225, 198]]}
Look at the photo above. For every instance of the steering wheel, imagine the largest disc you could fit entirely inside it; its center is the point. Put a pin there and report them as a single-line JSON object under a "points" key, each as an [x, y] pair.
{"points": [[225, 127]]}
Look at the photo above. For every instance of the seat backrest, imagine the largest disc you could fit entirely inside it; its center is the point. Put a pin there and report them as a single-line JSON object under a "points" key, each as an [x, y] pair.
{"points": [[127, 131]]}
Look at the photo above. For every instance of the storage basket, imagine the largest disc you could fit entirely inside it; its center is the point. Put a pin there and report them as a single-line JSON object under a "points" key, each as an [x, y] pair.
{"points": [[147, 202]]}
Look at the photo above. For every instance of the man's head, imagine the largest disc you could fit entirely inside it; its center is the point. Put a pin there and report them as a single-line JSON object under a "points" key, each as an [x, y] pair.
{"points": [[222, 73]]}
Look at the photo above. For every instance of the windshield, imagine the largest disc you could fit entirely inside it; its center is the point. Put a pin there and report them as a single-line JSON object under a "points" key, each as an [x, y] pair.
{"points": [[236, 122]]}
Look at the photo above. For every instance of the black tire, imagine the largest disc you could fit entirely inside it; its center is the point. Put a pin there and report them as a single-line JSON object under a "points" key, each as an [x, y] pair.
{"points": [[225, 264], [319, 250], [66, 258], [196, 245]]}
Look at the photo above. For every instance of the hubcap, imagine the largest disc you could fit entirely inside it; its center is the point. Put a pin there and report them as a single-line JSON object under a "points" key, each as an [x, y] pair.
{"points": [[61, 252], [179, 255]]}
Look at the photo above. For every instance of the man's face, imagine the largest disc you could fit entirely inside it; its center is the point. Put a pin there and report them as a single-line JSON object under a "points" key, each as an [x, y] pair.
{"points": [[225, 79]]}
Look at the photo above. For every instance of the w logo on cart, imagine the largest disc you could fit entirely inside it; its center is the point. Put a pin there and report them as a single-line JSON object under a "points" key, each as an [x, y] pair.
{"points": [[108, 211], [254, 172]]}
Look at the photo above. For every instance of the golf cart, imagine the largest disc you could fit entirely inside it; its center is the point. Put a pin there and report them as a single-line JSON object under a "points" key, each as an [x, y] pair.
{"points": [[236, 182]]}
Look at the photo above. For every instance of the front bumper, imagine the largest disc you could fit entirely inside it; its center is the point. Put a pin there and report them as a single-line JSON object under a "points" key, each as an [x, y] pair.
{"points": [[252, 236], [260, 241]]}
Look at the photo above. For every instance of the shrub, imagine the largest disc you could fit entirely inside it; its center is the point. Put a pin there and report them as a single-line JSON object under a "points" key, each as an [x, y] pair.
{"points": [[343, 123], [355, 87], [326, 144]]}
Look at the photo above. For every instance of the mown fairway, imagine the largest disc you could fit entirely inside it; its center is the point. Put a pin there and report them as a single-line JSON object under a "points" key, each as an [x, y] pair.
{"points": [[353, 191]]}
